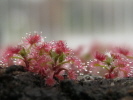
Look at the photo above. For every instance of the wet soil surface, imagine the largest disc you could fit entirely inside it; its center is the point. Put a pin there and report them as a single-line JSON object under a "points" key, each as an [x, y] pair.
{"points": [[18, 84]]}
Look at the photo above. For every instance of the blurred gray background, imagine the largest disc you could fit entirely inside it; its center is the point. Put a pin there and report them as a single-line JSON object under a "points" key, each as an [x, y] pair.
{"points": [[76, 21]]}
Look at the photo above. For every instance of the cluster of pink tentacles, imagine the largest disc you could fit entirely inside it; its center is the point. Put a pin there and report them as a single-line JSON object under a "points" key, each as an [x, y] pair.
{"points": [[52, 60]]}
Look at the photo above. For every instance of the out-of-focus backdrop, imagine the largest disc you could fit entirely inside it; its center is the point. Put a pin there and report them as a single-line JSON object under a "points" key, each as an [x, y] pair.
{"points": [[76, 21]]}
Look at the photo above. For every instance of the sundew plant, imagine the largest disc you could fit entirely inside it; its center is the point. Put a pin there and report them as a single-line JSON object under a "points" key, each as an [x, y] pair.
{"points": [[109, 61], [52, 60]]}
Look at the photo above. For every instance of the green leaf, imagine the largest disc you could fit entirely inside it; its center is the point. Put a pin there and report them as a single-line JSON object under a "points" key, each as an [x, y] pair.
{"points": [[63, 63], [129, 57], [62, 57], [54, 56], [30, 59], [41, 52], [98, 65], [108, 61], [23, 52]]}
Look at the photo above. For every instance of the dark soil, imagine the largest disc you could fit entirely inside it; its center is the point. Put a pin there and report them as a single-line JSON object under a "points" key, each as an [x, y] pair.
{"points": [[18, 84]]}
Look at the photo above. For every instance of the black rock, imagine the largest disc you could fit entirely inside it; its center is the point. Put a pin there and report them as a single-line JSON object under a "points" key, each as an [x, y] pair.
{"points": [[18, 84], [14, 68]]}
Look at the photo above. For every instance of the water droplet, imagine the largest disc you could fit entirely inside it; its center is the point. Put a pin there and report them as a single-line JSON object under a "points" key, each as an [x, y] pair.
{"points": [[95, 59], [86, 66], [98, 72], [90, 71], [88, 62], [81, 74], [86, 70]]}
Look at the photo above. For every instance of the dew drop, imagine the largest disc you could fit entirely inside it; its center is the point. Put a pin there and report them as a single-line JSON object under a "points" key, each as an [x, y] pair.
{"points": [[90, 71], [127, 64], [19, 62], [95, 59], [81, 74], [88, 62], [86, 70], [86, 66]]}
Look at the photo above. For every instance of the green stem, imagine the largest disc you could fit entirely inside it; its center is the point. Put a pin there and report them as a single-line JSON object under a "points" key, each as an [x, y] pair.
{"points": [[102, 66], [18, 58], [63, 63], [26, 62]]}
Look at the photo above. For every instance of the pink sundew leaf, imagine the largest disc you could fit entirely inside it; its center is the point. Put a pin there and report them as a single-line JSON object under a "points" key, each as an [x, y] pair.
{"points": [[75, 60], [10, 52], [38, 66], [122, 74], [72, 75], [121, 71], [123, 51], [115, 56], [97, 67], [45, 47], [60, 47], [121, 63], [33, 54], [100, 56], [32, 39], [125, 70], [41, 62]]}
